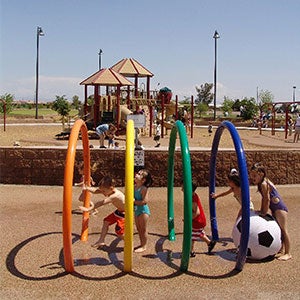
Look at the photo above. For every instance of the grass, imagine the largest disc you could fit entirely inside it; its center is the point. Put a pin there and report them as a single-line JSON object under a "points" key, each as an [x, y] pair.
{"points": [[44, 112]]}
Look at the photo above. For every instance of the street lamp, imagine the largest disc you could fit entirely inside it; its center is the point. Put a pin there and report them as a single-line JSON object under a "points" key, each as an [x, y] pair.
{"points": [[39, 32], [216, 36], [294, 93], [100, 53]]}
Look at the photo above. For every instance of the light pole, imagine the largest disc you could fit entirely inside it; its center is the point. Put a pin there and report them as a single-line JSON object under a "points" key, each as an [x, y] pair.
{"points": [[39, 32], [100, 53], [294, 93], [216, 36]]}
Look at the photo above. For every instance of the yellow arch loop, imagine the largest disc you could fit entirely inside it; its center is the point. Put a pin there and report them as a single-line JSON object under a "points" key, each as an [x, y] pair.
{"points": [[129, 196], [67, 195]]}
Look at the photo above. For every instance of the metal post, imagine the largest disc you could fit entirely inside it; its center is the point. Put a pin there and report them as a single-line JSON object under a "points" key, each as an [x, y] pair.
{"points": [[294, 93], [216, 36], [39, 32], [100, 53]]}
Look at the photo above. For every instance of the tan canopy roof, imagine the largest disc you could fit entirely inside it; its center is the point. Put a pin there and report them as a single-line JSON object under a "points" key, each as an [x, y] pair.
{"points": [[106, 77], [129, 67]]}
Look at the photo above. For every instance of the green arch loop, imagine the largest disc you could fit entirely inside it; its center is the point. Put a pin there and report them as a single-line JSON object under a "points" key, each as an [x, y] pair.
{"points": [[187, 191]]}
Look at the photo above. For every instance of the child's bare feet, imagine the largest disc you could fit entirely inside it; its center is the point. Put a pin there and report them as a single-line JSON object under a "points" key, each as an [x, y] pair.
{"points": [[285, 257], [98, 245], [140, 249]]}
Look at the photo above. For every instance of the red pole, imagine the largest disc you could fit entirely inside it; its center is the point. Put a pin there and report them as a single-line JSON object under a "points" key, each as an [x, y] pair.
{"points": [[150, 119], [286, 121], [162, 113], [273, 119]]}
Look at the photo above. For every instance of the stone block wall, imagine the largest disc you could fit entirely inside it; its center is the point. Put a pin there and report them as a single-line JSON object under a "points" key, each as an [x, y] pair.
{"points": [[41, 166]]}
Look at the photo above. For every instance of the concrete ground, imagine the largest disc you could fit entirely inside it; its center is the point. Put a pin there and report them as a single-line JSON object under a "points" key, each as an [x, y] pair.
{"points": [[32, 255]]}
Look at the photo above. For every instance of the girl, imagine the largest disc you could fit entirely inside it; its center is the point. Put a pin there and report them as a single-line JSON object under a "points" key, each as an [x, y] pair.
{"points": [[198, 222], [235, 188], [271, 199], [142, 181]]}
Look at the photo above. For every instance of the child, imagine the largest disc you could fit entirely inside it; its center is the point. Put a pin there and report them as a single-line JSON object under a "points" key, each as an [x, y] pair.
{"points": [[273, 201], [235, 188], [115, 197], [111, 140], [105, 130], [117, 146], [199, 223], [157, 134], [209, 129], [142, 181]]}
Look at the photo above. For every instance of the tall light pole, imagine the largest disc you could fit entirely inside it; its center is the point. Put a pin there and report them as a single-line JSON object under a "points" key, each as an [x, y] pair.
{"points": [[100, 53], [294, 93], [39, 32], [216, 36]]}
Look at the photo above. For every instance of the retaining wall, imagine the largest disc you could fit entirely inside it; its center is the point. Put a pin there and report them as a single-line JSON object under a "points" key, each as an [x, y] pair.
{"points": [[40, 166]]}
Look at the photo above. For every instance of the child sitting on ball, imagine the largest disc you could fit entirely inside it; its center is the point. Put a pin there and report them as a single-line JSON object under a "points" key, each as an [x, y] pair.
{"points": [[272, 200]]}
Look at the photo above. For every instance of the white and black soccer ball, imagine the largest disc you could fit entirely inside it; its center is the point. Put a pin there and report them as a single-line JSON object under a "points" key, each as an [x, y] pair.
{"points": [[264, 236]]}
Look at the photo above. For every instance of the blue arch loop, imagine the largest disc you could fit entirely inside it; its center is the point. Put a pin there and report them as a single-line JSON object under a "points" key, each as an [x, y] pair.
{"points": [[243, 171]]}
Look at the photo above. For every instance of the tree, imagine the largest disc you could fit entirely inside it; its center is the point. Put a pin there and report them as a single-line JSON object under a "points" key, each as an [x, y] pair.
{"points": [[227, 105], [62, 106], [8, 99], [248, 108], [266, 96], [202, 108], [76, 103], [204, 94]]}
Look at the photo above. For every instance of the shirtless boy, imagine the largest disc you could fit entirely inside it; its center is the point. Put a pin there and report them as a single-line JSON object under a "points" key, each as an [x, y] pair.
{"points": [[116, 198]]}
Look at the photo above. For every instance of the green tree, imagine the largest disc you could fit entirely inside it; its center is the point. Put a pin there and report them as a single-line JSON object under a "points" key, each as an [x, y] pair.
{"points": [[8, 99], [248, 108], [202, 108], [76, 103], [63, 107], [90, 100], [266, 96], [204, 94], [227, 105]]}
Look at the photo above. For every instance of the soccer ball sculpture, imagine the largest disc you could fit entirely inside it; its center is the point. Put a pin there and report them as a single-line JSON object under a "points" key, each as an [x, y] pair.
{"points": [[264, 236]]}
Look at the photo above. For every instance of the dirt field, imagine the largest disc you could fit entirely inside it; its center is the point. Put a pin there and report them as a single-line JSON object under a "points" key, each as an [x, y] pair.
{"points": [[28, 134], [32, 255]]}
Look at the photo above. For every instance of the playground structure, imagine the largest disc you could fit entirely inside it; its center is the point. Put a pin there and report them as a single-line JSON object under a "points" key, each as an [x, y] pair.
{"points": [[129, 192], [272, 108], [123, 97]]}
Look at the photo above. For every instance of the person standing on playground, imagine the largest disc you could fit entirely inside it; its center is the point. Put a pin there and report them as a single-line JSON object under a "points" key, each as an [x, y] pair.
{"points": [[114, 197], [235, 188], [157, 133], [142, 181], [198, 223], [272, 200], [297, 129], [104, 130]]}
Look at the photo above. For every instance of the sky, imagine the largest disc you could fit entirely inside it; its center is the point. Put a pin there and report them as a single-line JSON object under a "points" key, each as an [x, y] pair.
{"points": [[258, 49]]}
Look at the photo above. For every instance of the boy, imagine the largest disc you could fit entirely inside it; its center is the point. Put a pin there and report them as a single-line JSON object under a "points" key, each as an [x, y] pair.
{"points": [[115, 197]]}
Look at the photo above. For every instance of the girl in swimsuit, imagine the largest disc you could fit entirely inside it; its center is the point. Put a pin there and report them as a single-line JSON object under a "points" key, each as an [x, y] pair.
{"points": [[272, 200], [235, 188], [142, 182]]}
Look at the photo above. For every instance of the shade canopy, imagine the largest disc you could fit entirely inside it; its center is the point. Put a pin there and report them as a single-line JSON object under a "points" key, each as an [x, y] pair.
{"points": [[107, 77], [129, 67]]}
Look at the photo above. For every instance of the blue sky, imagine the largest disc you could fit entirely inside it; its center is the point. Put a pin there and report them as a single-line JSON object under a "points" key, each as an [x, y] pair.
{"points": [[258, 48]]}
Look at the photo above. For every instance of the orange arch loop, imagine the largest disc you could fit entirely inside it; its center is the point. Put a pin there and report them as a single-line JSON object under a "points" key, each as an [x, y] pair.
{"points": [[79, 126]]}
